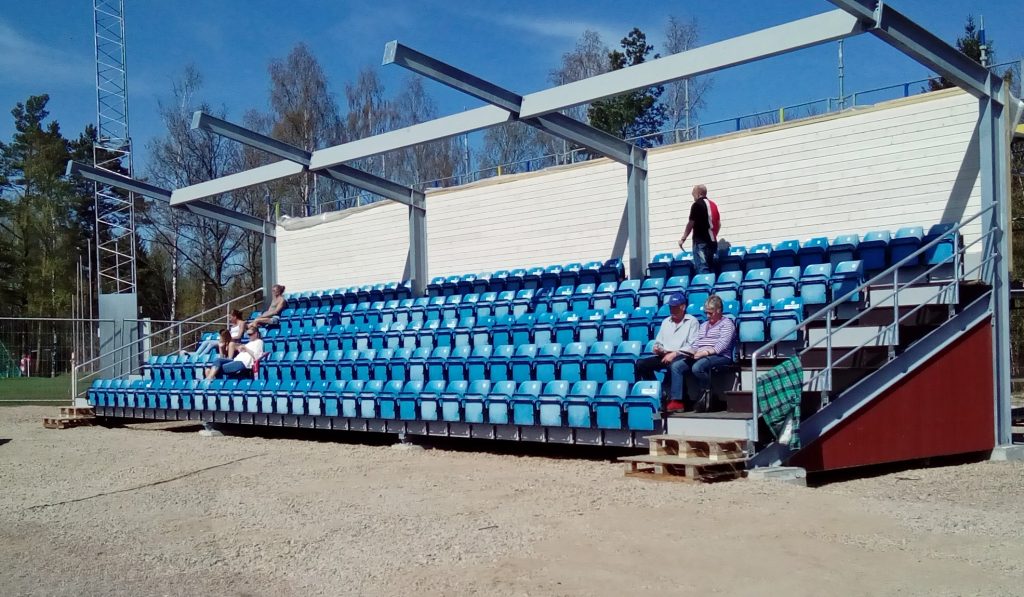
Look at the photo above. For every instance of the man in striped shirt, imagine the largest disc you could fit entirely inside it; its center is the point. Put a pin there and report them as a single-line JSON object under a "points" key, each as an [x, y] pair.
{"points": [[714, 346]]}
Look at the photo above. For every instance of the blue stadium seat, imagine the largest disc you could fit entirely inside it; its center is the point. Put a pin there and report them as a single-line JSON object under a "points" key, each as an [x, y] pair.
{"points": [[612, 271], [524, 403], [758, 257], [503, 303], [465, 284], [318, 366], [784, 254], [522, 329], [814, 284], [531, 278], [485, 304], [426, 337], [626, 295], [435, 306], [682, 265], [473, 403], [547, 360], [551, 403], [873, 250], [551, 277], [403, 314], [701, 287], [380, 368], [732, 259], [570, 366], [451, 401], [450, 286], [377, 335], [589, 328], [387, 398], [330, 365], [602, 298], [907, 241], [731, 309], [501, 331], [499, 402], [659, 266], [784, 283], [638, 326], [578, 404], [544, 328], [590, 273], [613, 326], [455, 367], [410, 334], [348, 396], [347, 365], [367, 398], [812, 252], [373, 316], [565, 328], [623, 361], [499, 366], [846, 277], [418, 311], [696, 310], [408, 400], [649, 294], [673, 285], [425, 404], [363, 365], [463, 332], [755, 284], [481, 333], [752, 322], [785, 315], [481, 284], [498, 280], [413, 364], [558, 302], [609, 404], [727, 286], [390, 311], [451, 307], [476, 365], [522, 362], [596, 363], [642, 405], [444, 335], [943, 251], [523, 301], [582, 298], [570, 274]]}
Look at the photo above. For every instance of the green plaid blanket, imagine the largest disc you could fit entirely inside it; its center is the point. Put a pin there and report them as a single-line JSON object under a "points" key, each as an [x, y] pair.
{"points": [[778, 400]]}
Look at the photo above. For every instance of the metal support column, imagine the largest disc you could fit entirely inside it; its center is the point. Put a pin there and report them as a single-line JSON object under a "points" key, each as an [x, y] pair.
{"points": [[269, 262], [993, 138], [637, 214], [418, 268]]}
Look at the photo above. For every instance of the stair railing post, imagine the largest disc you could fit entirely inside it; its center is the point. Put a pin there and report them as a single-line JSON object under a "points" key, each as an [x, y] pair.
{"points": [[894, 338], [828, 361]]}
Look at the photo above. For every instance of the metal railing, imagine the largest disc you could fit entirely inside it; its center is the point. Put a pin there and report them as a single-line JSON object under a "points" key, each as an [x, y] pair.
{"points": [[890, 330], [123, 358]]}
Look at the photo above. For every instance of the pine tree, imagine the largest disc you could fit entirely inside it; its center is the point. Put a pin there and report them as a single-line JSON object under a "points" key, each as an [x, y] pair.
{"points": [[634, 114]]}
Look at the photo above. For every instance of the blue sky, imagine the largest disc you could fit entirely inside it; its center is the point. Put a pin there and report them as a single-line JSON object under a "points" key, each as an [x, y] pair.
{"points": [[47, 47]]}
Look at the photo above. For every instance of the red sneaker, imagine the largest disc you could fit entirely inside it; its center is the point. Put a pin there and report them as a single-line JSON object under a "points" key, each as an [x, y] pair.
{"points": [[675, 406]]}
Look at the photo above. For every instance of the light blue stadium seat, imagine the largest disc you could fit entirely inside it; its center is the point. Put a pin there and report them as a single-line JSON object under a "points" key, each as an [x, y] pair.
{"points": [[410, 334], [550, 405], [317, 368], [814, 284], [525, 402], [547, 360], [673, 285], [784, 283], [522, 363], [499, 366], [501, 331], [578, 407], [485, 304], [444, 335], [696, 310], [755, 284], [907, 241], [416, 363], [523, 302], [476, 365], [623, 361], [366, 397], [451, 401], [522, 329], [347, 365], [473, 403], [581, 298], [602, 298], [456, 367], [752, 322], [363, 365], [589, 328], [559, 301], [377, 335], [659, 266], [638, 326], [451, 307], [758, 257], [649, 294], [436, 364], [785, 315], [597, 361], [482, 330], [387, 398], [503, 303], [609, 404], [544, 328], [873, 250], [731, 309], [408, 400], [499, 402], [846, 277], [381, 367], [701, 287], [435, 307], [625, 297], [613, 326], [570, 366], [463, 331], [566, 327], [943, 251], [642, 406], [727, 285]]}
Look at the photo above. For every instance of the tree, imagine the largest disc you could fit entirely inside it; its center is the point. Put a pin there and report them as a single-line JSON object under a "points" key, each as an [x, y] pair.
{"points": [[970, 44], [634, 114], [684, 98], [587, 59], [437, 161], [508, 145]]}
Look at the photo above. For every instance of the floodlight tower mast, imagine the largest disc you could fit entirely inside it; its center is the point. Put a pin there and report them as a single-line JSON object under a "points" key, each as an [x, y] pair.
{"points": [[115, 210]]}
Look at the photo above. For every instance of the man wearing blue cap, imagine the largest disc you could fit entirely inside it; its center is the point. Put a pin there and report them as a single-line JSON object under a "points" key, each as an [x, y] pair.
{"points": [[675, 338]]}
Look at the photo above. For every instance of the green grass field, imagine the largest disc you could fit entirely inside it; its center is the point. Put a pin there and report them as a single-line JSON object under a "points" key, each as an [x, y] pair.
{"points": [[35, 390]]}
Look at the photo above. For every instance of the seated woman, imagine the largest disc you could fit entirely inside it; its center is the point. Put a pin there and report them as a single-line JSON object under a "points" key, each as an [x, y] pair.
{"points": [[247, 355], [236, 328]]}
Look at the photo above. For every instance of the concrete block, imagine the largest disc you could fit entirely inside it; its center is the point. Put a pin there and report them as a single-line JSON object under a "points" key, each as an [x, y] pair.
{"points": [[784, 474], [1009, 452]]}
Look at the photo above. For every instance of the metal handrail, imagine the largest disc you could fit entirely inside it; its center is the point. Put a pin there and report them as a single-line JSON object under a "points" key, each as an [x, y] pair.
{"points": [[826, 311], [131, 346]]}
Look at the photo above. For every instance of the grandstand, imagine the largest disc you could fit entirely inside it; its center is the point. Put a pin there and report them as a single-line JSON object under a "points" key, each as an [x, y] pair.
{"points": [[868, 244]]}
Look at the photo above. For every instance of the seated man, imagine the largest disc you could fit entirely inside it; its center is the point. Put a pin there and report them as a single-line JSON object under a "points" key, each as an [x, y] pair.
{"points": [[677, 333], [714, 347], [247, 355], [272, 316]]}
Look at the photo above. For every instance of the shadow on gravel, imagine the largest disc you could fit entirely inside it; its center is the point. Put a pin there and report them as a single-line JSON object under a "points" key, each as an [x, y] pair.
{"points": [[880, 470], [4, 440]]}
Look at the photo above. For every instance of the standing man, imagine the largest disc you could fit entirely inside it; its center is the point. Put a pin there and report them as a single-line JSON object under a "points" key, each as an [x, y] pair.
{"points": [[704, 223], [272, 316], [673, 343], [713, 347]]}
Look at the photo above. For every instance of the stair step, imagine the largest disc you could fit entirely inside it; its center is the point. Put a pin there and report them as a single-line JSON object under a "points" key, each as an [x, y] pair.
{"points": [[674, 468], [742, 401], [714, 449]]}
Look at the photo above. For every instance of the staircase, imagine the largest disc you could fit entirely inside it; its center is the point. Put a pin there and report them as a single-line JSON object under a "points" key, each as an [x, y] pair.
{"points": [[853, 355]]}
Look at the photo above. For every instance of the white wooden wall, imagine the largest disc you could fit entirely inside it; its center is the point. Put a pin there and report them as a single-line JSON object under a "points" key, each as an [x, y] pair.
{"points": [[909, 162]]}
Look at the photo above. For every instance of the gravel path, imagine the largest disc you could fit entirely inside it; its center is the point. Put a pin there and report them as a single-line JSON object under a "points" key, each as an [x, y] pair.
{"points": [[150, 511]]}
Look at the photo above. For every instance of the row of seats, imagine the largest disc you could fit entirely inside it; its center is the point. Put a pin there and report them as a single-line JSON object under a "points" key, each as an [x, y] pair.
{"points": [[557, 403], [534, 278], [878, 250], [350, 295]]}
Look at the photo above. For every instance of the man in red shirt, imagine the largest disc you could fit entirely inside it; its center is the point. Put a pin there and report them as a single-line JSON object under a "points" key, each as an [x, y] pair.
{"points": [[704, 223]]}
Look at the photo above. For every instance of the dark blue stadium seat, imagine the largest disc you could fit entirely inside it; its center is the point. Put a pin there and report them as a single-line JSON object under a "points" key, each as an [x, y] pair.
{"points": [[435, 308], [907, 241], [445, 333], [551, 277], [758, 257], [481, 283], [813, 251], [590, 273], [732, 259], [784, 283], [873, 250], [498, 281], [570, 274], [612, 270], [659, 266], [347, 365]]}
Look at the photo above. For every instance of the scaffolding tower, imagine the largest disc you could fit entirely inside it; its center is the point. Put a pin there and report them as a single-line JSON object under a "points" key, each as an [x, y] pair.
{"points": [[112, 151]]}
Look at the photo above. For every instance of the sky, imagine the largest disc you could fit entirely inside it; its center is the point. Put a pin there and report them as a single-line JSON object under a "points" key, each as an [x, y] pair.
{"points": [[46, 46]]}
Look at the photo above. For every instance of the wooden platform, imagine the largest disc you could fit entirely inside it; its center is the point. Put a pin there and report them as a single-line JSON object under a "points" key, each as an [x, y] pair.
{"points": [[70, 416], [695, 459]]}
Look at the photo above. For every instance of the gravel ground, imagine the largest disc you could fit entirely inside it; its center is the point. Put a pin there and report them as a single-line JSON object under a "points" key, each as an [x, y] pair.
{"points": [[144, 510]]}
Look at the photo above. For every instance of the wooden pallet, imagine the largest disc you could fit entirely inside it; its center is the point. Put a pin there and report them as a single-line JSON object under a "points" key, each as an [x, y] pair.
{"points": [[77, 411], [674, 468], [714, 449], [71, 416]]}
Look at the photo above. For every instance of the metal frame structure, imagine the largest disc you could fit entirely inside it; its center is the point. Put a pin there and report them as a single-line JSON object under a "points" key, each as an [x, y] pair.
{"points": [[541, 109], [115, 214]]}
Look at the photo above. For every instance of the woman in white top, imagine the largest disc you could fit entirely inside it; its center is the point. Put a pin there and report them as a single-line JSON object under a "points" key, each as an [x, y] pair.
{"points": [[236, 326], [246, 356]]}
